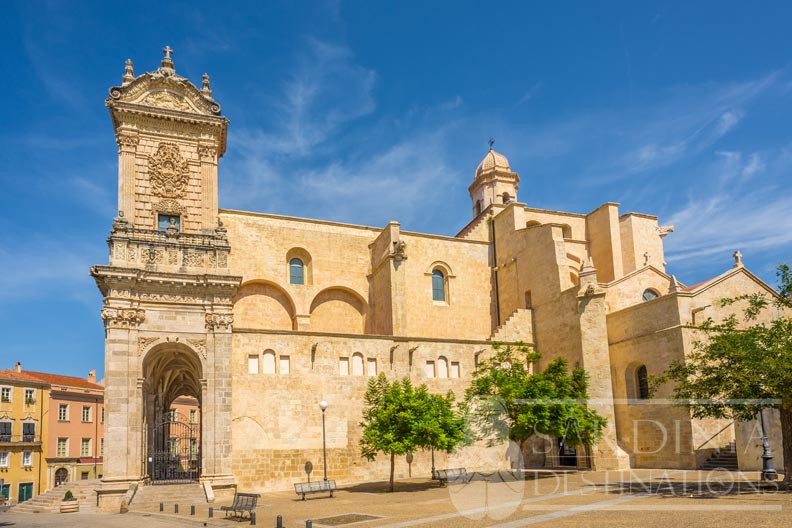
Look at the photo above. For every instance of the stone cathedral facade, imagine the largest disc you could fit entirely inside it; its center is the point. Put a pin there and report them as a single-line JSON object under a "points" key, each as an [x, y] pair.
{"points": [[259, 316]]}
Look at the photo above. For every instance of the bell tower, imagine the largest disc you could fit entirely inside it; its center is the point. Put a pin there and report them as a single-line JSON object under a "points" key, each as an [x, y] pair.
{"points": [[167, 289], [170, 136], [494, 182]]}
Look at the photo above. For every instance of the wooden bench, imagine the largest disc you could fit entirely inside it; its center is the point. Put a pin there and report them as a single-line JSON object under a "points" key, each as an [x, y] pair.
{"points": [[318, 486], [244, 503], [453, 475]]}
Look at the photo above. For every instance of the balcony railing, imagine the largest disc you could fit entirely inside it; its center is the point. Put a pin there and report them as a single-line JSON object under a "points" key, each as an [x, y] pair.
{"points": [[31, 439]]}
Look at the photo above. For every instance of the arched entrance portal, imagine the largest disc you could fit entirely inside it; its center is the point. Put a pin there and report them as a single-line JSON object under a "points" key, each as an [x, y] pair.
{"points": [[172, 399], [61, 476]]}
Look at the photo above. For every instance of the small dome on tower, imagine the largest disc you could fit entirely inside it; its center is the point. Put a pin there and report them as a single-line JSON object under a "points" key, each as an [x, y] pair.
{"points": [[493, 160]]}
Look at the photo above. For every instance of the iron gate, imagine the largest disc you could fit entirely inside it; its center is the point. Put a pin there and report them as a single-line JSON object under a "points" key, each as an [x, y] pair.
{"points": [[174, 454]]}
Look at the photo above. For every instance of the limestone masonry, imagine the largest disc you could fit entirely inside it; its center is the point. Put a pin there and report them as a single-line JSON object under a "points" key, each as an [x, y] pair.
{"points": [[259, 316]]}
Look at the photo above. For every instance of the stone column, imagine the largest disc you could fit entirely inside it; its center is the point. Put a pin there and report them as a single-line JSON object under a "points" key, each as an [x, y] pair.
{"points": [[123, 419], [216, 402], [127, 146], [208, 156]]}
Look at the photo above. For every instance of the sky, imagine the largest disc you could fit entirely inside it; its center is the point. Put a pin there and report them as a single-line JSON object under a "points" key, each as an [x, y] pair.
{"points": [[370, 111]]}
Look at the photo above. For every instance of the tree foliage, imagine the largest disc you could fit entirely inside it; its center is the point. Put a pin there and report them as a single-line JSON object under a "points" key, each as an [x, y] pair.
{"points": [[742, 365], [507, 401], [399, 418]]}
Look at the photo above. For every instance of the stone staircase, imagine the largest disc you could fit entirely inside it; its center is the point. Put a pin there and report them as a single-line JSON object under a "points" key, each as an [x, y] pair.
{"points": [[517, 327], [49, 501], [148, 498], [725, 458]]}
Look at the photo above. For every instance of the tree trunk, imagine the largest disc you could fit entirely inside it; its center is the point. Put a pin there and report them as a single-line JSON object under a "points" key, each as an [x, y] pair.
{"points": [[786, 440], [393, 464]]}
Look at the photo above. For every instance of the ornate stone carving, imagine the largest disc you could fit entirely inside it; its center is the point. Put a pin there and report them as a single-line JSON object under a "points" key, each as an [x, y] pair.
{"points": [[131, 254], [664, 230], [222, 259], [123, 317], [216, 322], [152, 255], [127, 142], [144, 342], [168, 100], [168, 171], [199, 345], [207, 152], [169, 206], [192, 258], [120, 223], [398, 252]]}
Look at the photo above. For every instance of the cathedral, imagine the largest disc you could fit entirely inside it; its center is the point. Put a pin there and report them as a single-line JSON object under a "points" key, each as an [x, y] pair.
{"points": [[259, 317]]}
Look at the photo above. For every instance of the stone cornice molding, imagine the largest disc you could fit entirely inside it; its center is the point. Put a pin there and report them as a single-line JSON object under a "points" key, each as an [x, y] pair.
{"points": [[158, 287], [123, 317]]}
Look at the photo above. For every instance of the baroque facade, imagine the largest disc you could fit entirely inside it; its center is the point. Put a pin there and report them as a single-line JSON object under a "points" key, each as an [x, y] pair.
{"points": [[259, 317]]}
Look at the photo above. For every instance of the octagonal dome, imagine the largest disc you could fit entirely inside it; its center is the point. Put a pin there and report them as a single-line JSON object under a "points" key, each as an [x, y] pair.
{"points": [[493, 160]]}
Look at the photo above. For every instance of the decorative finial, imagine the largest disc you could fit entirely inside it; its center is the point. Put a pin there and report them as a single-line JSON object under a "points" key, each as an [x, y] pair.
{"points": [[129, 72], [674, 286], [167, 61], [206, 90], [738, 263], [491, 142]]}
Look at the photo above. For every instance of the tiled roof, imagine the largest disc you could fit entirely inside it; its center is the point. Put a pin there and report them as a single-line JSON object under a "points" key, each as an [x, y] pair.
{"points": [[51, 379]]}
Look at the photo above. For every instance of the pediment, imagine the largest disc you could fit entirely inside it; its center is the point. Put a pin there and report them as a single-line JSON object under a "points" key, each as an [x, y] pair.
{"points": [[164, 91]]}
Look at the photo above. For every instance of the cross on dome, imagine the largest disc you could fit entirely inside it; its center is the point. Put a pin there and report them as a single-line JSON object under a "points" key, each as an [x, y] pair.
{"points": [[168, 50]]}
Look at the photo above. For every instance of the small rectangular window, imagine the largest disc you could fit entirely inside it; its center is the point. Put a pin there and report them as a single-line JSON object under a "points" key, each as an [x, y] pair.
{"points": [[85, 447], [63, 412], [253, 364], [429, 370], [5, 431], [343, 366], [5, 394], [27, 458], [165, 221], [30, 396], [63, 447], [83, 475], [284, 364], [371, 367], [29, 432], [86, 413], [193, 416], [4, 459], [455, 369]]}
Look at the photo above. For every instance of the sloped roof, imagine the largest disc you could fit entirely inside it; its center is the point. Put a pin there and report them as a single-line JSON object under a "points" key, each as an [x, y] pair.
{"points": [[50, 379]]}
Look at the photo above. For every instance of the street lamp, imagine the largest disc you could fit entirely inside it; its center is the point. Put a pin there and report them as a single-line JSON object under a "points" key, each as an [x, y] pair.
{"points": [[768, 471], [323, 405]]}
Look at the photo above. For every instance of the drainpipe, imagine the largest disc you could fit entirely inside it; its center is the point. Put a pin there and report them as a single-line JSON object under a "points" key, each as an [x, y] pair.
{"points": [[495, 270], [41, 436]]}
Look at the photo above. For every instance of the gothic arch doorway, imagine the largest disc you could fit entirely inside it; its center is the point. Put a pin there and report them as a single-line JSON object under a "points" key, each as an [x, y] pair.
{"points": [[172, 396]]}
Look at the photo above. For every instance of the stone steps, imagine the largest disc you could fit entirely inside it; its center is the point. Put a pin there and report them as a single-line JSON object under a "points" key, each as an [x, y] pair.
{"points": [[517, 327], [725, 458], [148, 498], [49, 501]]}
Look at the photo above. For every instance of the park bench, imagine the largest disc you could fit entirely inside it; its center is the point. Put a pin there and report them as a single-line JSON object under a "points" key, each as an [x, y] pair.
{"points": [[318, 486], [243, 503], [453, 475]]}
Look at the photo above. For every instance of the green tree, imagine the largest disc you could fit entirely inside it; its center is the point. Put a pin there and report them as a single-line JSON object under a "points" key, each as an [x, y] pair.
{"points": [[399, 418], [742, 365], [507, 401]]}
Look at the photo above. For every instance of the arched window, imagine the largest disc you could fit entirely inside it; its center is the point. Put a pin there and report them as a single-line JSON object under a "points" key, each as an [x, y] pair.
{"points": [[357, 364], [642, 382], [566, 231], [296, 271], [506, 198], [478, 207], [442, 367], [649, 294], [268, 362], [438, 286]]}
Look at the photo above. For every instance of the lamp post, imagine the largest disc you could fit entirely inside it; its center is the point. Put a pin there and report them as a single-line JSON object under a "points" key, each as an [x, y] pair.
{"points": [[323, 405], [768, 471]]}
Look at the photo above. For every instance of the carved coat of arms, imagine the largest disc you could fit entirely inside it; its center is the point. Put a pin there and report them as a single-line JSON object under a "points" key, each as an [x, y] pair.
{"points": [[168, 171]]}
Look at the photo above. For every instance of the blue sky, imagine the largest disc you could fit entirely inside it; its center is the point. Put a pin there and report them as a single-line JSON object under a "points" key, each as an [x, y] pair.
{"points": [[365, 112]]}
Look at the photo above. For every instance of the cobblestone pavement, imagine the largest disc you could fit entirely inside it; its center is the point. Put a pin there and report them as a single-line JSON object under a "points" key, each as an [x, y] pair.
{"points": [[646, 498]]}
